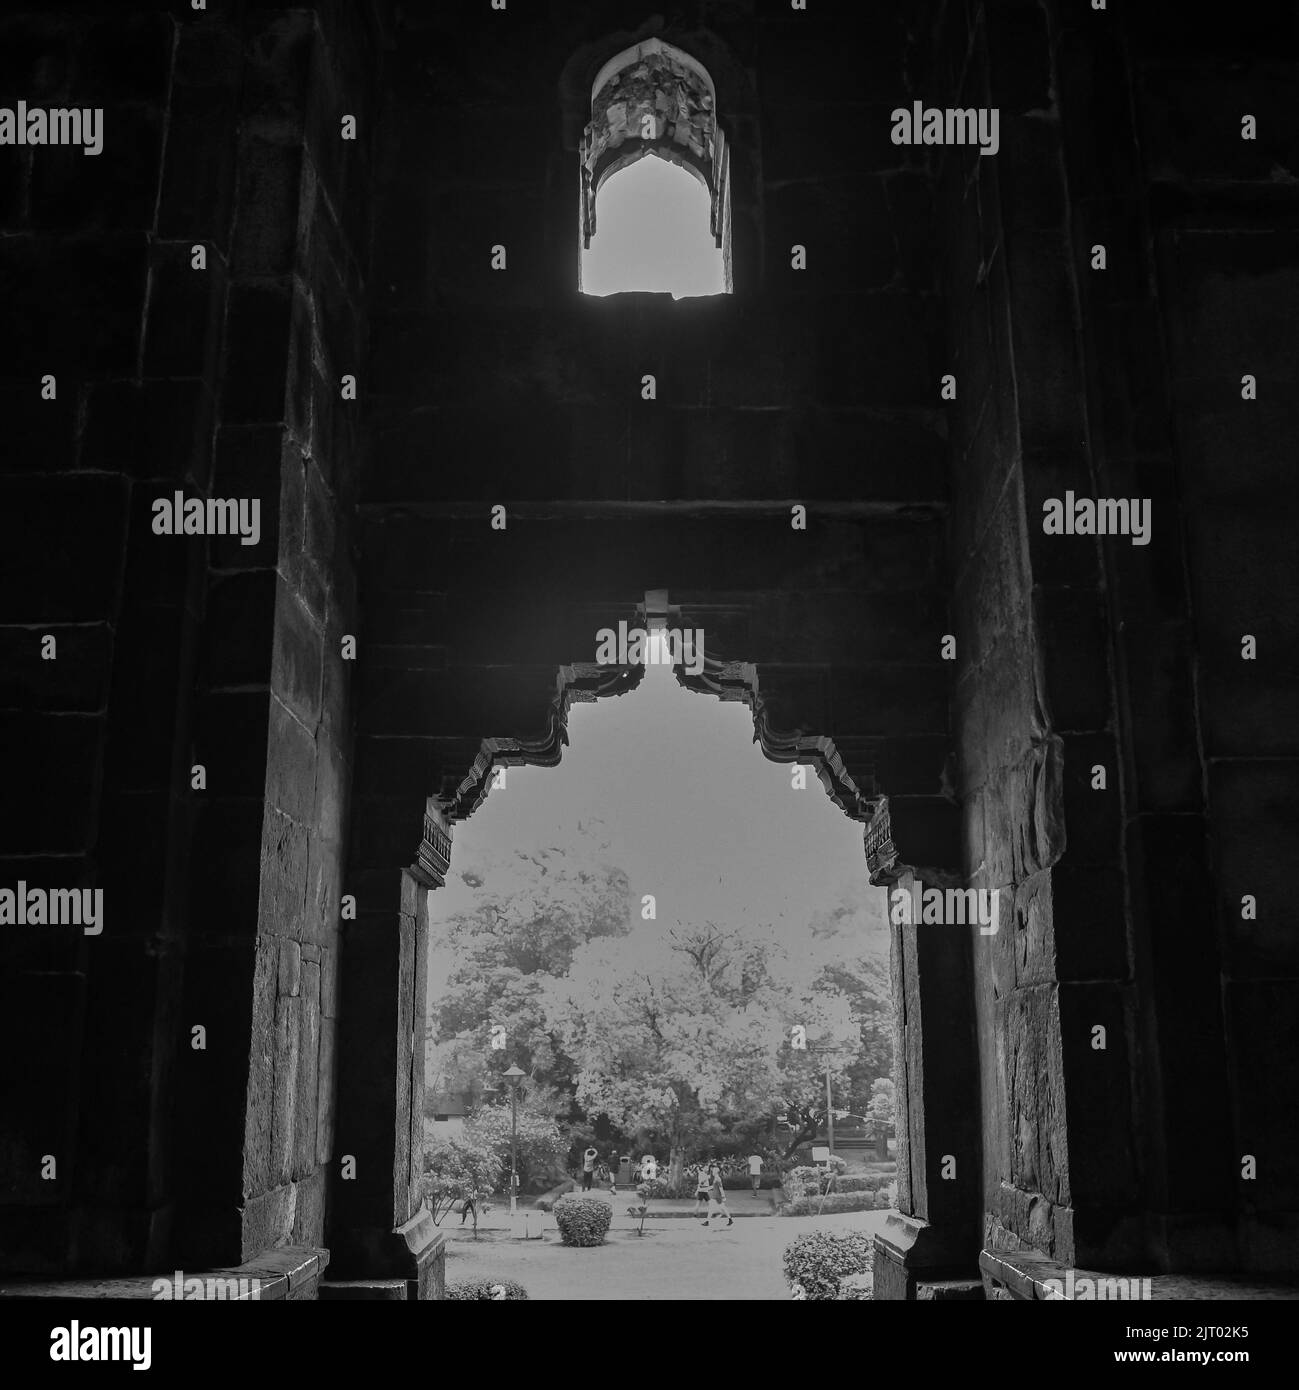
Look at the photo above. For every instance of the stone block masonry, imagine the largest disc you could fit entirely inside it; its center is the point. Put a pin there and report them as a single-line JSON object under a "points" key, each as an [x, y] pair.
{"points": [[320, 476]]}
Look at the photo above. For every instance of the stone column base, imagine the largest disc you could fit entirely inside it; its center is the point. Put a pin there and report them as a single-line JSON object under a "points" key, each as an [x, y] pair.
{"points": [[414, 1253], [909, 1252]]}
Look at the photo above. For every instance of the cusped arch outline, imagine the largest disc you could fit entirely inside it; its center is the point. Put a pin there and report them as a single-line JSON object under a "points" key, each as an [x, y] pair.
{"points": [[584, 682]]}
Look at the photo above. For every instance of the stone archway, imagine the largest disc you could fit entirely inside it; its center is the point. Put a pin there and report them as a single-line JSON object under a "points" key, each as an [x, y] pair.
{"points": [[482, 673]]}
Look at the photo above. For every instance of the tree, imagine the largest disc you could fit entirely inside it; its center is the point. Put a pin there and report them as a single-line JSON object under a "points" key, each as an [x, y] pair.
{"points": [[689, 1033], [883, 1101], [514, 923], [541, 1146], [455, 1169]]}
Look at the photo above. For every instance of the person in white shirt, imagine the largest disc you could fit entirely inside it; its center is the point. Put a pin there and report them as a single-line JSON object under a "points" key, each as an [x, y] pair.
{"points": [[755, 1172]]}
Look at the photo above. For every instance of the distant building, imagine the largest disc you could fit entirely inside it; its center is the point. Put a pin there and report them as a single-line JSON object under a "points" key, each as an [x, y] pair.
{"points": [[444, 1113]]}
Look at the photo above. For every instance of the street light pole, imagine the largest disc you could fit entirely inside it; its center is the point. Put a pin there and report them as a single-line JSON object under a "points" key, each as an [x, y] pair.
{"points": [[829, 1109], [514, 1076]]}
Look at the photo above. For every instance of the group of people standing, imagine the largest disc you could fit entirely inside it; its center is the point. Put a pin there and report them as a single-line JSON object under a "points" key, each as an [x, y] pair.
{"points": [[595, 1169]]}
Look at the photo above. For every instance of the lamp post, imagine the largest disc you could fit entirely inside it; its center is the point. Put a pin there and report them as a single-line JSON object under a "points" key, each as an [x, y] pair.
{"points": [[514, 1076], [825, 1049]]}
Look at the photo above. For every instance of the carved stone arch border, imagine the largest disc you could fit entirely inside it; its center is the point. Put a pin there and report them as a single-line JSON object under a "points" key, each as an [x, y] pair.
{"points": [[584, 682], [709, 74]]}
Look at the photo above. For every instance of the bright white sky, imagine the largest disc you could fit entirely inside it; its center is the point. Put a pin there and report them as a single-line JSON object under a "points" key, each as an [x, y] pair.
{"points": [[652, 234], [694, 814]]}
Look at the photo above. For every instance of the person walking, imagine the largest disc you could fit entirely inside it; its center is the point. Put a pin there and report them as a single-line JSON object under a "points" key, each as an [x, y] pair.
{"points": [[588, 1168], [701, 1192], [717, 1196], [755, 1172]]}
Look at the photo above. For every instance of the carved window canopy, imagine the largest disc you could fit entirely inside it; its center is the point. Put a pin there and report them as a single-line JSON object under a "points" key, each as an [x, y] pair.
{"points": [[654, 99]]}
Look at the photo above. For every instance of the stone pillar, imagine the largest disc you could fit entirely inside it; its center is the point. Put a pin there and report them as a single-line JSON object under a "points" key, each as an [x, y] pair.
{"points": [[380, 1229], [935, 1234]]}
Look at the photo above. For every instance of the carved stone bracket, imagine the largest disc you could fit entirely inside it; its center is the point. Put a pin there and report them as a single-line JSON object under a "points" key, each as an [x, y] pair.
{"points": [[881, 853], [434, 854], [927, 844]]}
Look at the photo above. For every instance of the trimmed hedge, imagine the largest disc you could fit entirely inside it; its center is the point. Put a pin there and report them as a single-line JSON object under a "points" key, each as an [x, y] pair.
{"points": [[836, 1201], [869, 1183], [483, 1288], [582, 1220], [816, 1261]]}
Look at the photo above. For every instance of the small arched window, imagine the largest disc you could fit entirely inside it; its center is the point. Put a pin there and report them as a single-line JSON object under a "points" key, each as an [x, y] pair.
{"points": [[665, 223]]}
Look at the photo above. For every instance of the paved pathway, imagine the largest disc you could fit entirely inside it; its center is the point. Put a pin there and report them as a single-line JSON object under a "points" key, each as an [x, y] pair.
{"points": [[672, 1260], [741, 1203]]}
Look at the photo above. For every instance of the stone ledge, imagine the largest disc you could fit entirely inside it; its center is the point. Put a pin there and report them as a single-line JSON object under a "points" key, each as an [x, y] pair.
{"points": [[1023, 1276], [949, 1291], [365, 1290], [283, 1274]]}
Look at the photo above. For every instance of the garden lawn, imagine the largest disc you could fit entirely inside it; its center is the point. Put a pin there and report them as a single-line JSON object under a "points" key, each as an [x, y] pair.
{"points": [[676, 1259]]}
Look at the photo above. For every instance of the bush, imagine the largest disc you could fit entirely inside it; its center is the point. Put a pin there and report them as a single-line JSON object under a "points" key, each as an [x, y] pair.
{"points": [[582, 1220], [868, 1183], [816, 1261], [856, 1286], [483, 1288], [836, 1201]]}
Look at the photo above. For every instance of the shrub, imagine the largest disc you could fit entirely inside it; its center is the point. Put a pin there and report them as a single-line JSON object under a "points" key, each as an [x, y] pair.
{"points": [[582, 1220], [856, 1286], [661, 1187], [883, 1199], [868, 1183], [484, 1288], [836, 1201], [817, 1260], [455, 1169]]}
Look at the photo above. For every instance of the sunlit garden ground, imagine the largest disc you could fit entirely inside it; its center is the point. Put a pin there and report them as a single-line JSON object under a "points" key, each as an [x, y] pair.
{"points": [[676, 1258]]}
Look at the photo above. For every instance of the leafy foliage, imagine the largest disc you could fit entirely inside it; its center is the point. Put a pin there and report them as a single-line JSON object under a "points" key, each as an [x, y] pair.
{"points": [[455, 1169], [817, 1260], [526, 914], [691, 1036], [582, 1220], [496, 1290], [541, 1147], [835, 1202]]}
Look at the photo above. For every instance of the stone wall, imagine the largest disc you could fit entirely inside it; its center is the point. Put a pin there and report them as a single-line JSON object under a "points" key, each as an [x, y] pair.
{"points": [[221, 901], [1121, 382], [478, 387], [1194, 301]]}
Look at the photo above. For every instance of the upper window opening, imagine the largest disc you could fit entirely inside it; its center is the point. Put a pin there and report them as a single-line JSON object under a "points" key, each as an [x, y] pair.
{"points": [[664, 223], [653, 236]]}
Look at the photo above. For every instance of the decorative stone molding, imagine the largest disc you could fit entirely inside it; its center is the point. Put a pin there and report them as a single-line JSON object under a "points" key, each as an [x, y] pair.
{"points": [[654, 86], [738, 680], [583, 682], [434, 854], [881, 853], [926, 841]]}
